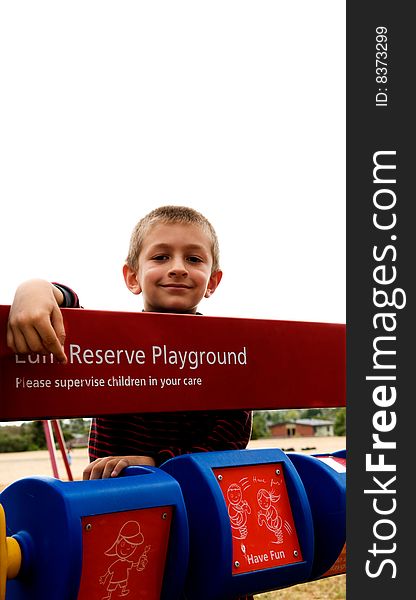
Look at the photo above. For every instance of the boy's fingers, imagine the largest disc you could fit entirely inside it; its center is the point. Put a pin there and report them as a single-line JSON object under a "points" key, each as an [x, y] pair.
{"points": [[26, 342], [87, 471], [10, 339], [58, 326], [116, 470], [108, 467], [112, 466], [95, 469], [44, 334], [50, 341], [104, 468]]}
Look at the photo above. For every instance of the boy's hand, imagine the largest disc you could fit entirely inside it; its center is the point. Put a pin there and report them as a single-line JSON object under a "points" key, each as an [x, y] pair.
{"points": [[35, 321], [111, 466]]}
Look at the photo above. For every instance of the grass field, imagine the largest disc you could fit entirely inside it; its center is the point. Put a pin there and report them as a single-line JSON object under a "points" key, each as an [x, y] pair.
{"points": [[330, 588]]}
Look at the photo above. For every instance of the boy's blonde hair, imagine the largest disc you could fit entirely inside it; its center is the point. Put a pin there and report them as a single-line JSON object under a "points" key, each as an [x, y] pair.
{"points": [[167, 215]]}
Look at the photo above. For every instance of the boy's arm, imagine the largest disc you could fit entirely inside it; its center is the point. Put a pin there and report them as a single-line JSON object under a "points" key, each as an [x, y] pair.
{"points": [[35, 321]]}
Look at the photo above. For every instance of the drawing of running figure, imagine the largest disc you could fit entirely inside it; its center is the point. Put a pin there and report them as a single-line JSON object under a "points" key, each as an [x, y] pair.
{"points": [[238, 509], [268, 515], [125, 547]]}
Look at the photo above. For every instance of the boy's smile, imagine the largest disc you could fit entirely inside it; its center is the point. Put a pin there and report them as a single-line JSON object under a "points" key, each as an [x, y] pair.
{"points": [[174, 272]]}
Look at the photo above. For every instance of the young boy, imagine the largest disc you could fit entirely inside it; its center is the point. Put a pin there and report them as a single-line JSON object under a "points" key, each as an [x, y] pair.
{"points": [[173, 261]]}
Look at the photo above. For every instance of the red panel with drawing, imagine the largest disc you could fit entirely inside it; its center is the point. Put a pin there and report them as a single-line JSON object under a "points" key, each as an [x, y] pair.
{"points": [[124, 554], [262, 525]]}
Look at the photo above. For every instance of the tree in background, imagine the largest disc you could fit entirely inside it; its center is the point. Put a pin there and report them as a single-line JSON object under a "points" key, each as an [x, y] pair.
{"points": [[31, 436], [340, 422], [260, 425], [27, 436], [71, 428], [11, 439], [36, 435]]}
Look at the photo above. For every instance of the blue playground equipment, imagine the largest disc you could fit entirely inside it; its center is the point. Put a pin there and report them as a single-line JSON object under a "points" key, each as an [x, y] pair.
{"points": [[68, 540], [324, 478], [210, 525]]}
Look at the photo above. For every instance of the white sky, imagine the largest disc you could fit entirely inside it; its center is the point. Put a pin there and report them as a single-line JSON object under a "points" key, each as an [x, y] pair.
{"points": [[236, 108]]}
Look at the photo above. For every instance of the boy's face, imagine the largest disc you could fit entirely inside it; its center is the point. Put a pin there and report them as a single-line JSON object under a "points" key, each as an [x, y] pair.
{"points": [[174, 271]]}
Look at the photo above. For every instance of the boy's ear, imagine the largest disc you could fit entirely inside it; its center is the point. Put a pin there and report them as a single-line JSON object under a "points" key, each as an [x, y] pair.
{"points": [[130, 277], [213, 283]]}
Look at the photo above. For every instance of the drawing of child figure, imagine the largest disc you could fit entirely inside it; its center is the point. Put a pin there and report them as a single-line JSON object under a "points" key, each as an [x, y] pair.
{"points": [[238, 509], [268, 515], [126, 545]]}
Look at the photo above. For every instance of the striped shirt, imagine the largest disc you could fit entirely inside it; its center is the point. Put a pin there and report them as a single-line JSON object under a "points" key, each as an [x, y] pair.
{"points": [[164, 435]]}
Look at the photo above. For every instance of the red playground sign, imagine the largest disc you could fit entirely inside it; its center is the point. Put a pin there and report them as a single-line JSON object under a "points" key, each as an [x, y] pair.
{"points": [[122, 362]]}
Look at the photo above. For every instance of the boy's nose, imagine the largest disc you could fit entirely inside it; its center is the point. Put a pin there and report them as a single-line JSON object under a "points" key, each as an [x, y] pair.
{"points": [[178, 268]]}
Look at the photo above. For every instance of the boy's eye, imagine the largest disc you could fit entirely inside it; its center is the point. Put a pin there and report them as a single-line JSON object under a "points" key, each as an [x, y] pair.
{"points": [[161, 257], [194, 259]]}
